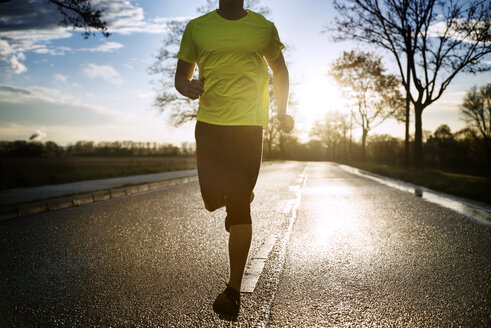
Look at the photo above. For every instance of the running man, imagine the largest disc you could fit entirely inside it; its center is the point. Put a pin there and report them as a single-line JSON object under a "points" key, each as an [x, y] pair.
{"points": [[229, 46]]}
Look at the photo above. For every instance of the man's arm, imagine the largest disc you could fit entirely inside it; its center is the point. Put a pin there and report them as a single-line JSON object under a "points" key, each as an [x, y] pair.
{"points": [[183, 83], [281, 88], [281, 83]]}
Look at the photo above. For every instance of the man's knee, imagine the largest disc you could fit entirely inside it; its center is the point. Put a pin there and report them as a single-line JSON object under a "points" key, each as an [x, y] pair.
{"points": [[213, 206], [242, 229], [213, 202], [241, 224], [239, 216]]}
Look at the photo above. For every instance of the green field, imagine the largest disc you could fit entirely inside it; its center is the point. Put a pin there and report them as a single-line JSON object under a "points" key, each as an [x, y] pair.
{"points": [[467, 186], [24, 172]]}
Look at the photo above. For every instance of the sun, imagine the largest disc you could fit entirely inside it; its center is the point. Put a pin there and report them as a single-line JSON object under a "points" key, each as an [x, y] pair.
{"points": [[319, 95], [316, 97]]}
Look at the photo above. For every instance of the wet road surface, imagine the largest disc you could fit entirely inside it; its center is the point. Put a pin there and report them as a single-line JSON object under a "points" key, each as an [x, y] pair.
{"points": [[348, 252]]}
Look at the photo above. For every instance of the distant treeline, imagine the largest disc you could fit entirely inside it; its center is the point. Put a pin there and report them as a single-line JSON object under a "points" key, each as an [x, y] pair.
{"points": [[464, 151], [49, 149]]}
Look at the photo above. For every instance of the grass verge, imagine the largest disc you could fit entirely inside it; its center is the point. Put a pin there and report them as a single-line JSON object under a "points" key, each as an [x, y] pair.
{"points": [[467, 186], [28, 172]]}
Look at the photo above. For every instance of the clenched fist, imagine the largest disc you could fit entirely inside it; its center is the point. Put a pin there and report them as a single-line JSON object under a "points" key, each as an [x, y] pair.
{"points": [[286, 123], [195, 88]]}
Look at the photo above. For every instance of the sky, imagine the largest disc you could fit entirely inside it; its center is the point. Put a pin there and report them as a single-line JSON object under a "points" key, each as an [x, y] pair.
{"points": [[64, 88]]}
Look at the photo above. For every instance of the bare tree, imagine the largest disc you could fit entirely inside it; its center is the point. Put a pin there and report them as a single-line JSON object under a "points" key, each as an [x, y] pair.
{"points": [[431, 41], [271, 136], [476, 112], [332, 132], [178, 108], [375, 95], [81, 14]]}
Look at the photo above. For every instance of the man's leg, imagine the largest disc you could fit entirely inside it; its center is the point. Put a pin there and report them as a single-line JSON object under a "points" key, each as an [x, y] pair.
{"points": [[244, 150], [241, 180], [228, 302], [210, 165], [238, 249], [238, 191]]}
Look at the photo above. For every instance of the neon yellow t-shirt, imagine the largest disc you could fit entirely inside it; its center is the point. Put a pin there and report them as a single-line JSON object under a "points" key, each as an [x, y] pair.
{"points": [[230, 57]]}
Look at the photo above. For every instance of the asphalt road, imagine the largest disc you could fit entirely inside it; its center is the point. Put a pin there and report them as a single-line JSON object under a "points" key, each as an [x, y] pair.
{"points": [[349, 252]]}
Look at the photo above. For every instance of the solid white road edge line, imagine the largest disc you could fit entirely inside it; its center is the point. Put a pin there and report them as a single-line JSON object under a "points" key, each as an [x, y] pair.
{"points": [[473, 211]]}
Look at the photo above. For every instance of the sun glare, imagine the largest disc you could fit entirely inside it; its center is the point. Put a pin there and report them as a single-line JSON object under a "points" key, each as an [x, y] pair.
{"points": [[315, 98]]}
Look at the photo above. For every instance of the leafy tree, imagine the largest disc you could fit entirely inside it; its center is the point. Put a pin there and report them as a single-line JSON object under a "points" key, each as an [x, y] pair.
{"points": [[384, 148], [431, 41], [443, 149], [375, 95], [471, 158], [178, 108], [476, 112], [444, 133], [51, 149]]}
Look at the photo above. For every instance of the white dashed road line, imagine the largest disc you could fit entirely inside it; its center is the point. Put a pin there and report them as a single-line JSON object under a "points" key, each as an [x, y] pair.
{"points": [[257, 262], [298, 189], [251, 276]]}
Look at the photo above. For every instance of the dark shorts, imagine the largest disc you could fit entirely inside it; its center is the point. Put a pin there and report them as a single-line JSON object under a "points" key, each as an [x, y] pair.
{"points": [[229, 158]]}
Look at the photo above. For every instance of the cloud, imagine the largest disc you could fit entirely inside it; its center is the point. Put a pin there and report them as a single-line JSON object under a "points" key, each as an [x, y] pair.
{"points": [[457, 30], [61, 77], [11, 59], [58, 51], [144, 94], [14, 45], [28, 25], [106, 72], [24, 110], [31, 26], [22, 15], [16, 95], [126, 18], [36, 94], [105, 47], [9, 90], [16, 66], [43, 106]]}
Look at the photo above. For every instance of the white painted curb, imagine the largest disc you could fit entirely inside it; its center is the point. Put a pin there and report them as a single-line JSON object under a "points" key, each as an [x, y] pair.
{"points": [[53, 204]]}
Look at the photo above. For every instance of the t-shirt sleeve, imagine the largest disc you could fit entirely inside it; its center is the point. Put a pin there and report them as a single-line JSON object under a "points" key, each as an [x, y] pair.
{"points": [[275, 46], [188, 51]]}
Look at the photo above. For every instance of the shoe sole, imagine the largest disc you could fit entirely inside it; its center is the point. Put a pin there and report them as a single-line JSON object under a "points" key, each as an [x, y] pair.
{"points": [[224, 306]]}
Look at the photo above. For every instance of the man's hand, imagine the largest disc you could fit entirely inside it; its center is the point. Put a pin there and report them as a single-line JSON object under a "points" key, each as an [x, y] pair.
{"points": [[184, 83], [286, 123], [194, 88]]}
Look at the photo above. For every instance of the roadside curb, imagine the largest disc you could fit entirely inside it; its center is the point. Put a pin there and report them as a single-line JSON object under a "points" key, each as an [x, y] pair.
{"points": [[58, 203]]}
